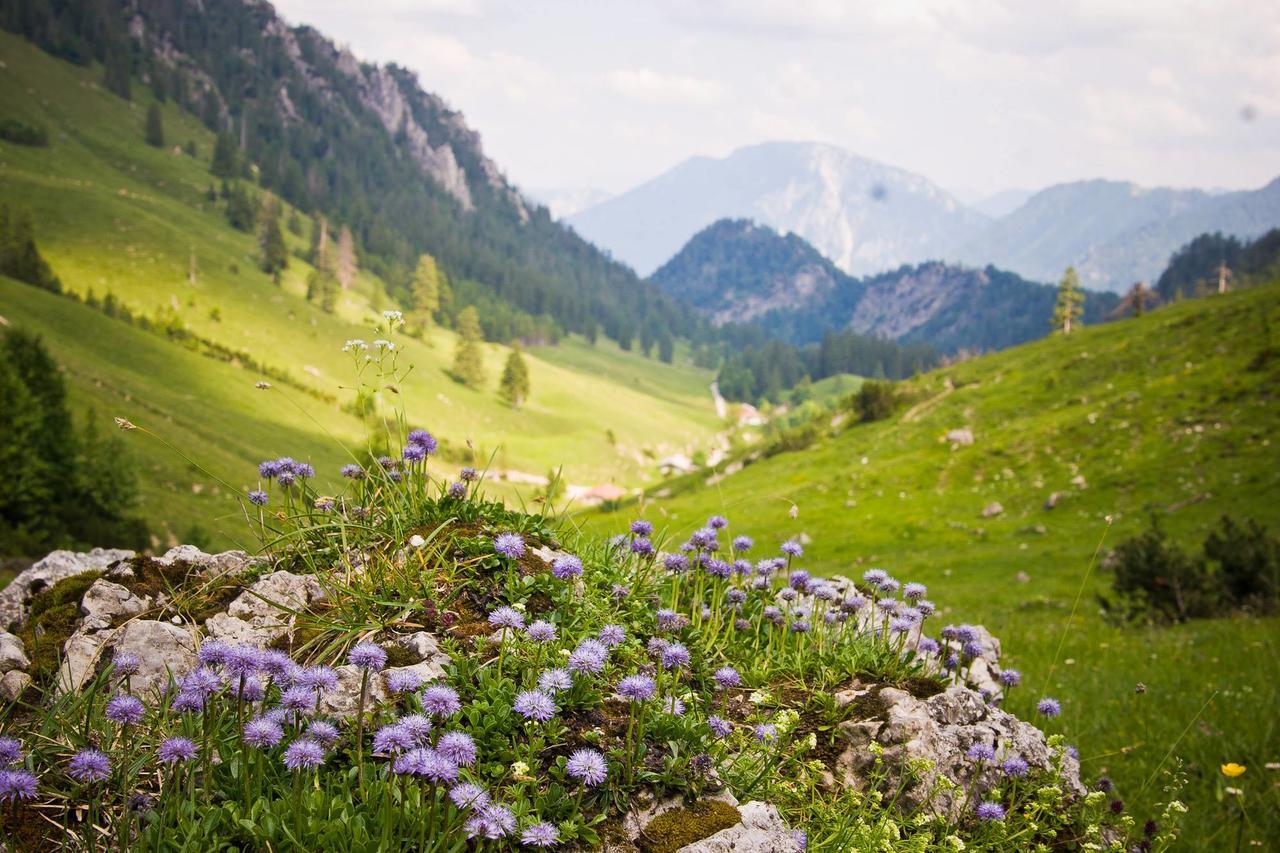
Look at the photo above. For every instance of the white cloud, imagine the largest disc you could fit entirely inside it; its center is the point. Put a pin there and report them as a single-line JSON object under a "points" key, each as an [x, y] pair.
{"points": [[647, 85]]}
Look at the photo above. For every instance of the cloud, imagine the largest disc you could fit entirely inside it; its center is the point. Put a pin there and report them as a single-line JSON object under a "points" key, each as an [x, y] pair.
{"points": [[649, 86]]}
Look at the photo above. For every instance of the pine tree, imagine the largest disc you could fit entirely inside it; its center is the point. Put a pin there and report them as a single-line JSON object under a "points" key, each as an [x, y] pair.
{"points": [[273, 256], [225, 159], [155, 126], [468, 359], [1068, 309], [118, 70], [241, 210], [346, 266], [322, 288], [514, 385], [424, 293]]}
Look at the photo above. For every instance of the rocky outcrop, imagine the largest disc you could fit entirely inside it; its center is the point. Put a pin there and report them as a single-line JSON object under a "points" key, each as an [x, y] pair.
{"points": [[265, 611], [921, 746], [762, 830], [55, 567], [13, 655]]}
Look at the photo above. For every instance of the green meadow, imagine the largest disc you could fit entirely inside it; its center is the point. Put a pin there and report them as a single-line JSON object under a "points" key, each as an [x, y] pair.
{"points": [[1172, 415]]}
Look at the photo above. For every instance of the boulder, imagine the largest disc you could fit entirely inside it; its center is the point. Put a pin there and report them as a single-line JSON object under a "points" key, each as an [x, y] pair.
{"points": [[106, 604], [13, 654], [1052, 501], [962, 437], [263, 613], [208, 565], [992, 509], [55, 567], [163, 650], [934, 735], [13, 684], [345, 699], [80, 657], [761, 831]]}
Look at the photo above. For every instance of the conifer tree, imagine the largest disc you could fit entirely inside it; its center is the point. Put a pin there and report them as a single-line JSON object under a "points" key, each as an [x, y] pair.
{"points": [[1068, 309], [424, 293], [273, 256], [346, 265], [117, 70], [155, 126], [468, 359], [225, 159], [514, 385]]}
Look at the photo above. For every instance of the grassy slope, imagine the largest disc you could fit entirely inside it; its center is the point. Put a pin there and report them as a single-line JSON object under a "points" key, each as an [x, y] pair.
{"points": [[114, 214], [1154, 413]]}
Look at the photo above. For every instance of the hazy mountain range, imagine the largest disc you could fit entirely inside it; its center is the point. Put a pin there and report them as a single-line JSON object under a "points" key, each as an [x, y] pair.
{"points": [[736, 270], [868, 217]]}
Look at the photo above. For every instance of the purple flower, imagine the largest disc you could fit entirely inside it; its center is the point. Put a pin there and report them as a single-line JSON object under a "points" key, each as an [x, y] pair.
{"points": [[800, 626], [620, 591], [468, 474], [423, 439], [612, 635], [726, 677], [566, 567], [303, 754], [673, 706], [458, 490], [801, 838], [212, 652], [717, 568], [541, 631], [89, 765], [323, 733], [637, 688], [719, 726], [507, 617], [642, 546], [492, 822], [540, 835], [187, 701], [675, 656], [534, 705], [403, 681], [299, 699], [458, 747], [10, 751], [736, 596], [319, 678], [1010, 677], [367, 656], [468, 795], [773, 614], [640, 527], [274, 663], [411, 762], [799, 580], [792, 548], [1014, 767], [124, 663], [553, 680], [509, 545], [676, 563], [393, 739], [765, 733], [889, 585], [257, 497], [417, 725], [742, 543], [441, 701], [175, 750], [124, 710], [436, 767], [981, 752], [589, 656], [414, 453], [17, 785], [989, 811], [914, 591], [717, 522], [262, 733], [241, 660], [587, 766], [268, 469], [900, 625], [352, 471], [928, 646], [669, 620], [1049, 707], [249, 689]]}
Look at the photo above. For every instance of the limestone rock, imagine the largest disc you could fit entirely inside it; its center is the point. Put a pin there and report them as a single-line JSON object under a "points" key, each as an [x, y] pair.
{"points": [[644, 812], [992, 509], [262, 614], [79, 658], [209, 565], [962, 437], [106, 603], [761, 831], [345, 699], [55, 567], [13, 684], [1052, 501], [13, 655], [941, 729], [163, 650]]}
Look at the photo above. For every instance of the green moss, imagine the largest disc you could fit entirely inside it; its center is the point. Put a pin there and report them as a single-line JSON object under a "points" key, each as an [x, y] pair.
{"points": [[671, 830], [54, 615], [869, 706], [398, 655]]}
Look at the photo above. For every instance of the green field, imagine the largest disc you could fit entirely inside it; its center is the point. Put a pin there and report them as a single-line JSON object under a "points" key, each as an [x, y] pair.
{"points": [[115, 215], [1172, 414]]}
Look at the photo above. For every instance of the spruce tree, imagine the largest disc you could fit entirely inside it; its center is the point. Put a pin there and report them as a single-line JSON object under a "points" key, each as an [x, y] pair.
{"points": [[514, 386], [1069, 307], [346, 265], [468, 359], [224, 163], [424, 293], [273, 256], [155, 126], [118, 70]]}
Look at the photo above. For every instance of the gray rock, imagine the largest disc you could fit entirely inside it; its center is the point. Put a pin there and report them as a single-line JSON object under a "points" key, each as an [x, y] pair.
{"points": [[645, 810], [263, 613], [106, 603], [423, 645], [79, 658], [13, 655], [208, 565], [55, 567], [164, 651], [13, 684], [761, 831], [962, 437], [1052, 501], [345, 699], [935, 734], [992, 509]]}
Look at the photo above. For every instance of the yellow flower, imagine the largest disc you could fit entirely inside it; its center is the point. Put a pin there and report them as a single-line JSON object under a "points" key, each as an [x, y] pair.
{"points": [[1232, 770]]}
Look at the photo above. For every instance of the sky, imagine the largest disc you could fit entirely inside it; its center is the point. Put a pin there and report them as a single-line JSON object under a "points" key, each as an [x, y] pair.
{"points": [[979, 96]]}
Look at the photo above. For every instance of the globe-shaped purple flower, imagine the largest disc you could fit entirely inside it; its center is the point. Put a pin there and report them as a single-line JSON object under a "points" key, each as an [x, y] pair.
{"points": [[125, 663], [612, 635], [403, 681], [458, 747], [719, 726], [368, 656], [18, 785], [89, 765], [441, 701], [540, 835], [541, 632], [675, 656], [534, 705], [263, 733], [393, 739], [468, 795], [726, 677], [1014, 767], [553, 680], [303, 754], [125, 710], [422, 438], [989, 811], [509, 545], [587, 766], [566, 566], [10, 751], [640, 527], [1010, 677], [507, 617], [1049, 707], [589, 657], [676, 563], [323, 733], [981, 752], [176, 750], [637, 688]]}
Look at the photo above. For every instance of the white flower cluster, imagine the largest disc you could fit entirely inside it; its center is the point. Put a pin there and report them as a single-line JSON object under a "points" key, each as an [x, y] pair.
{"points": [[393, 317], [354, 345], [384, 345]]}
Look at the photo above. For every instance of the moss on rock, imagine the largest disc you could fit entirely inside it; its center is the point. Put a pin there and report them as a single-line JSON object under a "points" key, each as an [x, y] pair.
{"points": [[53, 617], [677, 828]]}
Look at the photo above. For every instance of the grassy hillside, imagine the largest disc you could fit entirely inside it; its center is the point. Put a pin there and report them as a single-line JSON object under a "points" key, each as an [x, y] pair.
{"points": [[115, 215], [1172, 414]]}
